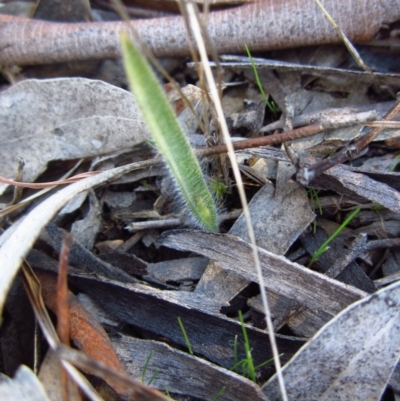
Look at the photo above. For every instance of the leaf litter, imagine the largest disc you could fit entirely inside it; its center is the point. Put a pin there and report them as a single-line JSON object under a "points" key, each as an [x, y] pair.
{"points": [[335, 331]]}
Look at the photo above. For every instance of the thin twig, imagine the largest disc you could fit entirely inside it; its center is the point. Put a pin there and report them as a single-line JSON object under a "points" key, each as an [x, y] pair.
{"points": [[173, 222], [306, 174], [283, 137]]}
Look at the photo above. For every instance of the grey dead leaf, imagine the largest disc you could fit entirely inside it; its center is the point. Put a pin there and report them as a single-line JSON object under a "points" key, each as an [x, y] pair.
{"points": [[346, 181], [74, 204], [65, 118], [351, 357], [390, 269], [77, 10], [376, 186], [383, 163], [275, 231], [85, 230], [179, 271], [352, 274], [286, 86], [280, 275], [18, 8], [25, 386], [305, 322], [167, 366], [202, 379], [333, 115], [119, 200], [211, 334]]}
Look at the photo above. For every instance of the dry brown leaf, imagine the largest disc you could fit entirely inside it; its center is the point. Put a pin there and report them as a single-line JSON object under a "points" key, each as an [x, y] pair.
{"points": [[86, 332]]}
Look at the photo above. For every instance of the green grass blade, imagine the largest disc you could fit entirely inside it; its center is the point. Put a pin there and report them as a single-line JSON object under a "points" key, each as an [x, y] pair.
{"points": [[185, 336], [270, 105], [220, 392], [146, 365], [324, 246], [153, 377], [235, 354], [267, 362], [169, 137], [395, 163], [247, 348]]}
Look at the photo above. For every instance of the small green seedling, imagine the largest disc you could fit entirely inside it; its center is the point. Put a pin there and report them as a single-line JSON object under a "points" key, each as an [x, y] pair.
{"points": [[395, 162], [247, 364], [323, 248], [249, 358], [146, 365], [220, 392], [270, 105], [314, 198], [169, 137], [185, 336], [218, 189]]}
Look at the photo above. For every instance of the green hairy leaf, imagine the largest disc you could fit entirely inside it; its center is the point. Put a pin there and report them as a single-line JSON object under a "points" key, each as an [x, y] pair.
{"points": [[169, 137]]}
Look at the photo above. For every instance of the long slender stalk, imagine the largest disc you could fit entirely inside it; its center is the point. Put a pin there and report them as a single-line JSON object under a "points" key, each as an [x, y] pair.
{"points": [[195, 25]]}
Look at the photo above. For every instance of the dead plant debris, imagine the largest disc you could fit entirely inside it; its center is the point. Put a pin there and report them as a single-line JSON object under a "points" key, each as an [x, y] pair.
{"points": [[151, 305]]}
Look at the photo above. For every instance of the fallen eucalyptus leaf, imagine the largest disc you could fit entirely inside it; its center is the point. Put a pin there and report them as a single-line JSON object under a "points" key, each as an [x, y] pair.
{"points": [[85, 230], [168, 366], [351, 357], [66, 118], [25, 386], [282, 276]]}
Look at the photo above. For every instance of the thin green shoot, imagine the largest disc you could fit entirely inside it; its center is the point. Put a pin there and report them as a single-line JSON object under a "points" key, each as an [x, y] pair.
{"points": [[246, 364], [152, 143], [395, 162], [314, 224], [185, 336], [235, 354], [249, 358], [153, 377], [220, 392], [313, 193], [315, 201], [218, 189], [377, 207], [324, 246], [271, 105], [146, 365], [266, 362], [167, 392], [197, 33]]}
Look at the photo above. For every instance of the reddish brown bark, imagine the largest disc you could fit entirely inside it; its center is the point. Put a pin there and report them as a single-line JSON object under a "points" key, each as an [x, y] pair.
{"points": [[262, 25]]}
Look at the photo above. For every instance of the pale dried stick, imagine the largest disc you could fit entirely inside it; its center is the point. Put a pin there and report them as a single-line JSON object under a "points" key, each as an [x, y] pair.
{"points": [[195, 25]]}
